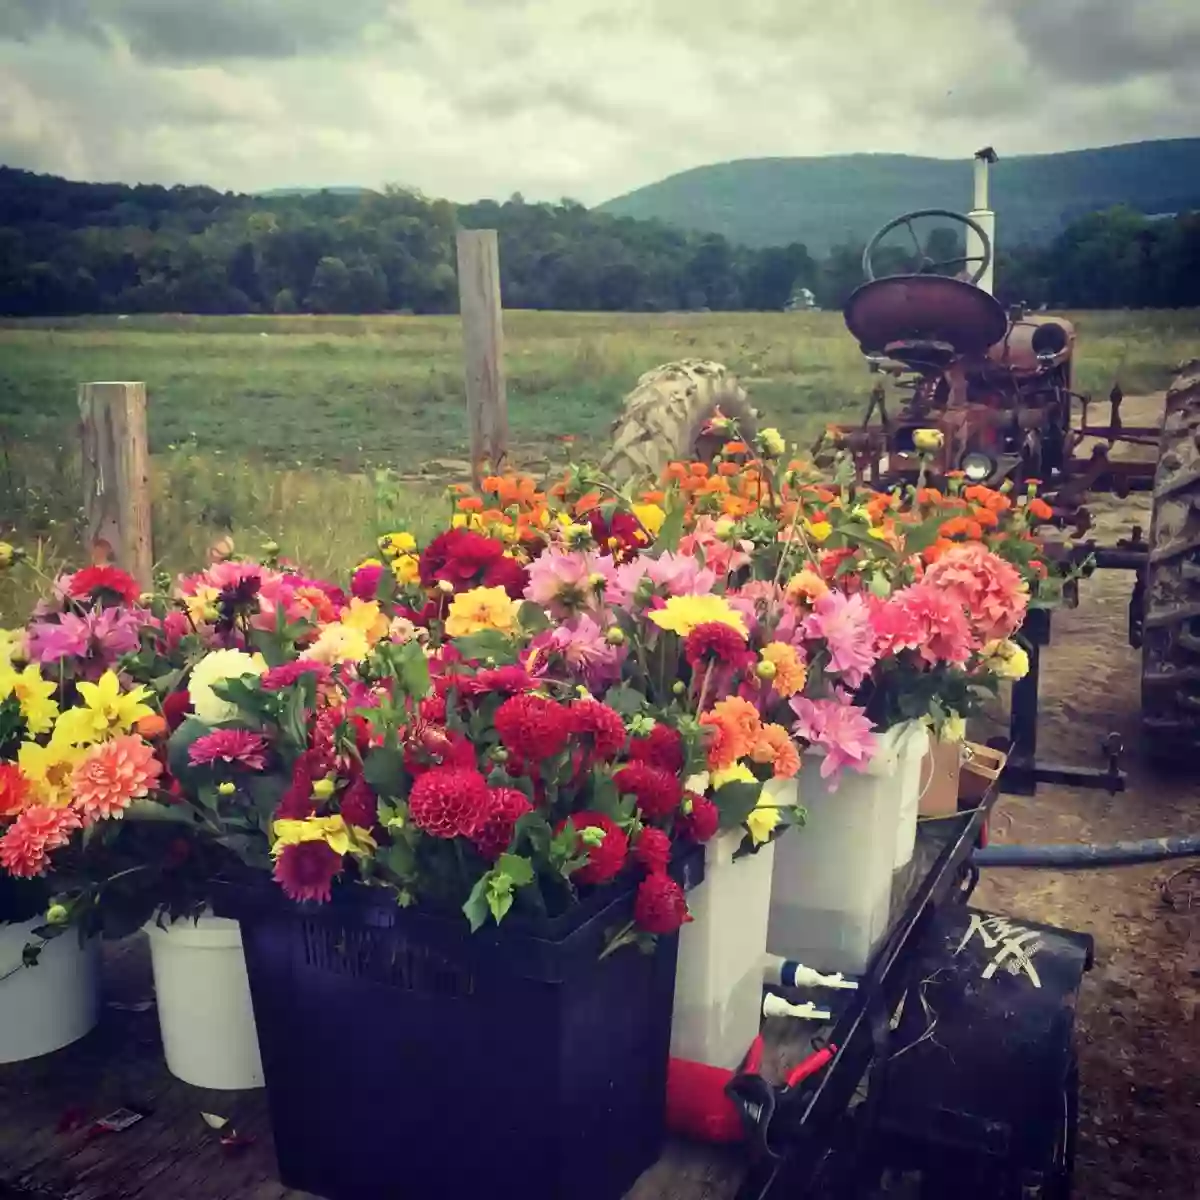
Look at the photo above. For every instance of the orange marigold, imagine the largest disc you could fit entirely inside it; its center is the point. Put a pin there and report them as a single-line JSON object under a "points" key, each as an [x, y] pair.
{"points": [[986, 518], [113, 775], [790, 672], [675, 472], [932, 553], [775, 746], [1040, 509], [735, 448], [470, 504], [728, 469], [586, 503], [699, 468]]}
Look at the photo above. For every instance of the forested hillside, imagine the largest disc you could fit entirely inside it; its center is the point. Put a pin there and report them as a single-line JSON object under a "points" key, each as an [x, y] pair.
{"points": [[70, 247]]}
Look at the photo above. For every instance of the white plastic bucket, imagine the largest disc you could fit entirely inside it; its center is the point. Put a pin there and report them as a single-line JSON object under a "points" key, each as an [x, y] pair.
{"points": [[912, 745], [48, 1006], [719, 976], [204, 1008], [832, 887]]}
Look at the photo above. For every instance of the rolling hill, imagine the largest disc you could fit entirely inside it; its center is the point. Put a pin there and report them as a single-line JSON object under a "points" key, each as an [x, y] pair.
{"points": [[846, 197]]}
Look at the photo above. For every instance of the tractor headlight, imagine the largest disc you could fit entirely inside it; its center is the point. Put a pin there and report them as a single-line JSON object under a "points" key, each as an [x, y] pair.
{"points": [[977, 466]]}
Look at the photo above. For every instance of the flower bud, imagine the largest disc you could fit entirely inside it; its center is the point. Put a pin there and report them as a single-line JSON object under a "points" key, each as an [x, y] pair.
{"points": [[592, 835], [499, 754], [270, 548], [57, 914], [766, 670], [928, 439], [322, 789], [445, 586], [678, 687], [597, 582], [615, 636], [227, 788]]}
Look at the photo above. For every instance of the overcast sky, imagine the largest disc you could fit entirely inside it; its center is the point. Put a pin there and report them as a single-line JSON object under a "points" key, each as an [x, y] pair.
{"points": [[581, 98]]}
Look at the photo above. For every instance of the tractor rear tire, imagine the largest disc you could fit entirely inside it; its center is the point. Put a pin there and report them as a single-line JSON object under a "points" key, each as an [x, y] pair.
{"points": [[1171, 621], [663, 418]]}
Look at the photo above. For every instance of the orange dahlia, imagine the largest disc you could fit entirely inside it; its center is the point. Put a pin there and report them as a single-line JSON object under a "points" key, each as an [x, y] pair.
{"points": [[775, 746], [790, 673], [26, 844], [113, 775], [14, 790]]}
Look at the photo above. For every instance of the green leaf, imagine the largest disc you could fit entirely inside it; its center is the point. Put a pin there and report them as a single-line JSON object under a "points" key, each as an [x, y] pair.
{"points": [[736, 801], [518, 869], [499, 894], [150, 810], [604, 797], [476, 907], [383, 769], [532, 617], [626, 700], [487, 644], [398, 859], [672, 526], [413, 670]]}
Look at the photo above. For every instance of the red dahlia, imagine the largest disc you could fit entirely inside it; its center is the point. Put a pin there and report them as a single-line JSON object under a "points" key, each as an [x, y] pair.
{"points": [[307, 870], [507, 807], [460, 557], [297, 802], [600, 727], [652, 849], [359, 805], [502, 681], [703, 821], [508, 574], [449, 802], [91, 580], [660, 906], [620, 535], [714, 642], [533, 727], [658, 792], [606, 859], [661, 747]]}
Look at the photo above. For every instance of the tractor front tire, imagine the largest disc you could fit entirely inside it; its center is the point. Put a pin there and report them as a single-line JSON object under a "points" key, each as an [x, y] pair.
{"points": [[1171, 590], [663, 418]]}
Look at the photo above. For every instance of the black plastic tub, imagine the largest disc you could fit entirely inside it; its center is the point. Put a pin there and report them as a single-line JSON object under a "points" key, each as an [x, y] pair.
{"points": [[407, 1057]]}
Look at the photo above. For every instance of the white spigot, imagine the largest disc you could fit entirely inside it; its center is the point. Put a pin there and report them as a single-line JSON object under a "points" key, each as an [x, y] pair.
{"points": [[777, 1006]]}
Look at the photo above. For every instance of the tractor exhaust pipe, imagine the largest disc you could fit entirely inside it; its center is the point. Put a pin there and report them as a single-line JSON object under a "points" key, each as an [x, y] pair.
{"points": [[985, 216]]}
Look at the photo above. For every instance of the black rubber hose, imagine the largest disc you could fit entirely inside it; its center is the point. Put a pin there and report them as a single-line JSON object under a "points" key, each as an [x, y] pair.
{"points": [[1070, 856]]}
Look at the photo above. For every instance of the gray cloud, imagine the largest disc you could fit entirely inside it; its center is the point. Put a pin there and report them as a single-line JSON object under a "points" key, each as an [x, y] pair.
{"points": [[588, 98]]}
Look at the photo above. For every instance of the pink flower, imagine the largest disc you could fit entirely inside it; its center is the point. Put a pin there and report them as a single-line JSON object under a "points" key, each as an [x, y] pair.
{"points": [[582, 645], [990, 589], [719, 555], [99, 635], [237, 747], [842, 730], [844, 622], [26, 844], [112, 775], [932, 622], [365, 584], [288, 673], [564, 583]]}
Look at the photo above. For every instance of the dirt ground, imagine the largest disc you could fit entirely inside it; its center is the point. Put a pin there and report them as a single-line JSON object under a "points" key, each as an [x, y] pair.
{"points": [[1139, 1029]]}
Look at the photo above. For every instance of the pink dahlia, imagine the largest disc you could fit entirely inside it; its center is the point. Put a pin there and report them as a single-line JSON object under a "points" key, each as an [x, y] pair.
{"points": [[26, 844], [307, 870], [844, 622], [721, 556], [237, 747], [277, 678], [567, 583], [840, 729], [112, 775], [581, 645], [943, 630], [365, 583], [990, 589], [669, 575]]}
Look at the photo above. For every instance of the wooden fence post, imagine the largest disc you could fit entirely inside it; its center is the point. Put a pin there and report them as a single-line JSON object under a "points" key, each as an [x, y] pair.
{"points": [[483, 347], [116, 476]]}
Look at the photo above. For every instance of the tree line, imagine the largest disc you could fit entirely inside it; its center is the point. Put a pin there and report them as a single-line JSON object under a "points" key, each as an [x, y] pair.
{"points": [[73, 248]]}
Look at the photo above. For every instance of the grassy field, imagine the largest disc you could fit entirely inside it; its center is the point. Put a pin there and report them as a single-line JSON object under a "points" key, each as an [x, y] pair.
{"points": [[276, 426]]}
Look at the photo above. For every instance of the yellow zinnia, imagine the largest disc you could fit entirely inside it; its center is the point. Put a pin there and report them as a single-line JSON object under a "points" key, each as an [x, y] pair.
{"points": [[737, 773], [818, 530], [1005, 658], [406, 568], [681, 614], [479, 609], [105, 711], [367, 616], [651, 517], [762, 822], [338, 643], [12, 646], [33, 693]]}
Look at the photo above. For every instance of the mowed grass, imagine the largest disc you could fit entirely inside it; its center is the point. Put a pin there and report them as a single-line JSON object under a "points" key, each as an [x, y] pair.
{"points": [[276, 426]]}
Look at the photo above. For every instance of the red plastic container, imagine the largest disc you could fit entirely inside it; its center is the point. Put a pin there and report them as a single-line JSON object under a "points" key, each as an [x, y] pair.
{"points": [[405, 1056]]}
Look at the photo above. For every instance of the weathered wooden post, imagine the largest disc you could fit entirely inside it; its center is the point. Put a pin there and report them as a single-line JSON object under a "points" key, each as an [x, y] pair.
{"points": [[116, 476], [483, 347]]}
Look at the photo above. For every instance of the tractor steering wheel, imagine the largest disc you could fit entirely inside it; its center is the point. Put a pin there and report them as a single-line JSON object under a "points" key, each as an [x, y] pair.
{"points": [[927, 265]]}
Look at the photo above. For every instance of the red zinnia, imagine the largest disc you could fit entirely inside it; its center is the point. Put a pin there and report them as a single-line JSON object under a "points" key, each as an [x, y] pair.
{"points": [[365, 582], [449, 802], [433, 709], [297, 802], [307, 870], [506, 807], [620, 535], [460, 557], [714, 642], [283, 676], [661, 906], [652, 849], [661, 747], [532, 726], [606, 859], [658, 792], [601, 728], [237, 747], [505, 681], [91, 580], [703, 821], [359, 805]]}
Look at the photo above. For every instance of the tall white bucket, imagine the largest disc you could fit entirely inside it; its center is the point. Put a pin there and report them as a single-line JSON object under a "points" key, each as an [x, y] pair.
{"points": [[204, 1008]]}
